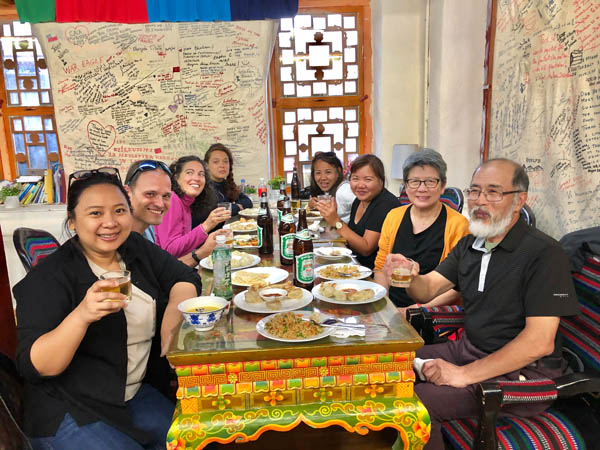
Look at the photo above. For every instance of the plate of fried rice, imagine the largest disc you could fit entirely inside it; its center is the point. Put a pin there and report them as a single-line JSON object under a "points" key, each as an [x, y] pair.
{"points": [[290, 327]]}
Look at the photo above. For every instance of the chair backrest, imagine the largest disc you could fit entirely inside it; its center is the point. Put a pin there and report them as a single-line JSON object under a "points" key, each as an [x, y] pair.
{"points": [[33, 245], [528, 215], [453, 197]]}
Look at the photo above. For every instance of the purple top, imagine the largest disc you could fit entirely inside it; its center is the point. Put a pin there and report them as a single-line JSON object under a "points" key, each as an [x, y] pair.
{"points": [[175, 233]]}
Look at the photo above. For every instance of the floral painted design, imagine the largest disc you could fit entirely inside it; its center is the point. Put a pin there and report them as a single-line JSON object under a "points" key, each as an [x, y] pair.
{"points": [[273, 398]]}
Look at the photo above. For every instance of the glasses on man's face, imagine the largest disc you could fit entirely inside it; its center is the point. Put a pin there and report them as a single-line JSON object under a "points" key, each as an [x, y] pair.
{"points": [[492, 195], [145, 166], [83, 174], [415, 183]]}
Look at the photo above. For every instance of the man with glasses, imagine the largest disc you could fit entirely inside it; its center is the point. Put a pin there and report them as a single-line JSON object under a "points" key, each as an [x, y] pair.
{"points": [[515, 283], [148, 184]]}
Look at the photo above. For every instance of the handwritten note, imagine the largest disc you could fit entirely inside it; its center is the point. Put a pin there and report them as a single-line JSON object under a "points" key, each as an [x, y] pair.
{"points": [[546, 106], [162, 90]]}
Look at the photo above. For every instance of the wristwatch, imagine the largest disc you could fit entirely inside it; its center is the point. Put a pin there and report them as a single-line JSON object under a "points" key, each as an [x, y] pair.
{"points": [[194, 256], [339, 225]]}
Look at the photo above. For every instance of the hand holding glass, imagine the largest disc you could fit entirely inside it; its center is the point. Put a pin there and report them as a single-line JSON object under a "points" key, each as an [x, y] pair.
{"points": [[402, 273], [124, 287]]}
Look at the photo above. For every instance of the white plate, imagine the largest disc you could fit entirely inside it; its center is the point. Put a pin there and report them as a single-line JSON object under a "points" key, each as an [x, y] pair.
{"points": [[249, 212], [325, 252], [206, 263], [286, 305], [275, 275], [364, 272], [379, 291], [260, 327], [238, 238], [227, 226]]}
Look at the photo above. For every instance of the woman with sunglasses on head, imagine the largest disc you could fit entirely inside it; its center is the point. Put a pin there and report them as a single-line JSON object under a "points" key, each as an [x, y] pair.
{"points": [[426, 229], [219, 162], [192, 196], [327, 177], [372, 203], [92, 363]]}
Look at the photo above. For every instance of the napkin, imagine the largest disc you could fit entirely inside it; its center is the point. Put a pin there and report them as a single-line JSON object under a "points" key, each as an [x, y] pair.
{"points": [[344, 332], [314, 227], [418, 367]]}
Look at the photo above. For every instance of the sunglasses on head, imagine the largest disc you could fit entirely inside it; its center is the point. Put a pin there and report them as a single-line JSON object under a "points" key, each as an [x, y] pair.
{"points": [[145, 166], [84, 174]]}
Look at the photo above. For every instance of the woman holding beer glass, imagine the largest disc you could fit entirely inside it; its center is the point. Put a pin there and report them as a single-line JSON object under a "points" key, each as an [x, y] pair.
{"points": [[373, 202], [327, 178], [426, 229], [192, 195], [92, 361], [219, 162]]}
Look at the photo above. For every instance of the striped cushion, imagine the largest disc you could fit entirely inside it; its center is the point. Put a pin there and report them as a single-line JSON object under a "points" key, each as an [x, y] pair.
{"points": [[445, 319], [547, 431], [528, 391], [39, 247]]}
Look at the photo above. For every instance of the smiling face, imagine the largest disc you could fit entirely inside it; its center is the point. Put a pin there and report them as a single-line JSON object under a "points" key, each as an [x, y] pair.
{"points": [[326, 175], [424, 197], [218, 165], [102, 220], [192, 178], [150, 198], [365, 184]]}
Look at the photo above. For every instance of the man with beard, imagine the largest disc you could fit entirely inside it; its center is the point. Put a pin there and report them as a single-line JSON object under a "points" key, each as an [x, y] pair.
{"points": [[148, 183], [515, 283]]}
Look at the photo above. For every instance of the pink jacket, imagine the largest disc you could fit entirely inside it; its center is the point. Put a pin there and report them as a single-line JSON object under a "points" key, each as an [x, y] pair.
{"points": [[175, 233]]}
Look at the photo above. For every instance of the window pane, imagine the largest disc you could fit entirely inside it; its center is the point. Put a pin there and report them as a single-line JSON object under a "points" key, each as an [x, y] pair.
{"points": [[290, 148], [44, 79], [37, 157], [10, 80], [48, 125], [321, 144], [289, 117], [6, 31], [349, 22], [52, 143], [17, 125], [287, 24], [19, 143], [33, 123], [335, 20], [22, 29], [45, 97], [30, 99], [25, 64], [14, 98]]}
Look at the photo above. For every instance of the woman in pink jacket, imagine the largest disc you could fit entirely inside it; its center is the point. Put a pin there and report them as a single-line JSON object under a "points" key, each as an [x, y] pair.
{"points": [[191, 194]]}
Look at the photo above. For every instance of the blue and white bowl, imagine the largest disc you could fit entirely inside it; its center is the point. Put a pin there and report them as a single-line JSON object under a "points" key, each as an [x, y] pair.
{"points": [[203, 313]]}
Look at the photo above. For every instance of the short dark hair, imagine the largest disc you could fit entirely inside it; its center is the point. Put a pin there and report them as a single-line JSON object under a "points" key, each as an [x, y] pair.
{"points": [[369, 160], [426, 157], [134, 171], [520, 179], [331, 159], [207, 200], [79, 186]]}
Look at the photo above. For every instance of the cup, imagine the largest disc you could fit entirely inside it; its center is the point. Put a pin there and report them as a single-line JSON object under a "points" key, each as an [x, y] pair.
{"points": [[226, 205], [401, 273], [124, 287], [228, 237], [324, 198]]}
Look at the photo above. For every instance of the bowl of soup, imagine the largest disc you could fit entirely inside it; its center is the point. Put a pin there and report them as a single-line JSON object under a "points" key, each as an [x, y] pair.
{"points": [[204, 312]]}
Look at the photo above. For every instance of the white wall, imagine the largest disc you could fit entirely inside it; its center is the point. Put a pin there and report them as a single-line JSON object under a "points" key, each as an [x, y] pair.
{"points": [[435, 102]]}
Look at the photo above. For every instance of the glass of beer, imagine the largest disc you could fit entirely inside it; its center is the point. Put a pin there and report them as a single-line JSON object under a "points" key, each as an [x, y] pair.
{"points": [[401, 273], [124, 287], [324, 198]]}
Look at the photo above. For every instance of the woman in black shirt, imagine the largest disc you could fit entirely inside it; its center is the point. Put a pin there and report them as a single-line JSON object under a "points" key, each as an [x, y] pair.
{"points": [[373, 202]]}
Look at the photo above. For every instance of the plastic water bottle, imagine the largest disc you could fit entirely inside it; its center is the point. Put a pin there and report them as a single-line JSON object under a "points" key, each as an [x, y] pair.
{"points": [[221, 259], [262, 187], [243, 185]]}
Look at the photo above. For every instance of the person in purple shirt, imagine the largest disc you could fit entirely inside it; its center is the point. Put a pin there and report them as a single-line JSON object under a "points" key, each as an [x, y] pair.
{"points": [[191, 195]]}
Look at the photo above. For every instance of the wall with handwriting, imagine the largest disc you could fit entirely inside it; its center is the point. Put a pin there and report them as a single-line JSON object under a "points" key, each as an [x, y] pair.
{"points": [[160, 91], [546, 106]]}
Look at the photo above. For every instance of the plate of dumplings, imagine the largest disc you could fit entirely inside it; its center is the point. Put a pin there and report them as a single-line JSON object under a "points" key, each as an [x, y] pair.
{"points": [[349, 292]]}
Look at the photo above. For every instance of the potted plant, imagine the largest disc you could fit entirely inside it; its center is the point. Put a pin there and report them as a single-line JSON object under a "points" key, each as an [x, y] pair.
{"points": [[274, 184], [251, 192], [10, 195]]}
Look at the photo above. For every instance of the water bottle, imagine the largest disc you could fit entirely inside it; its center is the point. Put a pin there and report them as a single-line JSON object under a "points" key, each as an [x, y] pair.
{"points": [[262, 187], [243, 185], [221, 259]]}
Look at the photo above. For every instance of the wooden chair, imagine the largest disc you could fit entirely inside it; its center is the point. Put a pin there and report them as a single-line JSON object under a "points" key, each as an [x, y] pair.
{"points": [[557, 427], [33, 245]]}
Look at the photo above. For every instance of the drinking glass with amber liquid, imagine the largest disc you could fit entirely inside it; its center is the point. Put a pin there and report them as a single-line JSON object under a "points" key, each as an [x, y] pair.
{"points": [[402, 273], [124, 287]]}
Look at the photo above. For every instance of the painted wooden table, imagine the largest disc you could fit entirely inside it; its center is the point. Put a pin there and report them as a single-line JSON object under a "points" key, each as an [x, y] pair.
{"points": [[235, 384]]}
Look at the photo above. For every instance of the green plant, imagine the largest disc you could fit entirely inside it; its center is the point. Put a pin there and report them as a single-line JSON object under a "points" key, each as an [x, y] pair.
{"points": [[10, 190], [250, 190], [275, 182]]}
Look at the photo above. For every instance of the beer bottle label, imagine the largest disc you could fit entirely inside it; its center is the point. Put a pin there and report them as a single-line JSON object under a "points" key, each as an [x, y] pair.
{"points": [[262, 211], [260, 235], [305, 267], [304, 235], [288, 218], [279, 215], [287, 245]]}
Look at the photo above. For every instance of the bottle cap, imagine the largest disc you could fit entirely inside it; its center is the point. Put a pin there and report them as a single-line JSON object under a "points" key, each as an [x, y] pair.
{"points": [[243, 180], [220, 239]]}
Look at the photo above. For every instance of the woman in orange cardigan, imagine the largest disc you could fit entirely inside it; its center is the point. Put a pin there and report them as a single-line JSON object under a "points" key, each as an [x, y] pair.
{"points": [[426, 229]]}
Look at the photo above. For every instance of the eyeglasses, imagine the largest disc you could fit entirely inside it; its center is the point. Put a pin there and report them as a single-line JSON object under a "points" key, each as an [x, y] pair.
{"points": [[415, 183], [84, 174], [146, 165], [491, 195]]}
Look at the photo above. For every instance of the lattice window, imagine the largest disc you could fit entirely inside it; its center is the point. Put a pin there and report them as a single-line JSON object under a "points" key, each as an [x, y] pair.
{"points": [[318, 88], [27, 102]]}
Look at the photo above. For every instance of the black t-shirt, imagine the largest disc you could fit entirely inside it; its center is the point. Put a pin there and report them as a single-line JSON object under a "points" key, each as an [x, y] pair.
{"points": [[372, 220], [425, 247], [527, 274]]}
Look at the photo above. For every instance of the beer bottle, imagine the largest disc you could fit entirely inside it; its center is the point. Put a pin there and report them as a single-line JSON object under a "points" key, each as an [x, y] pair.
{"points": [[304, 258], [295, 189], [282, 196], [287, 234], [264, 223]]}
